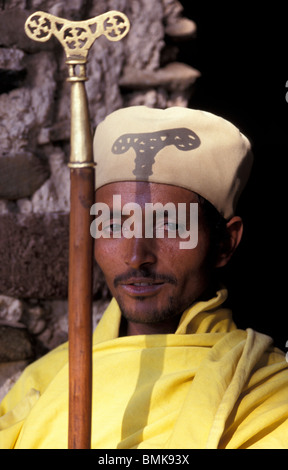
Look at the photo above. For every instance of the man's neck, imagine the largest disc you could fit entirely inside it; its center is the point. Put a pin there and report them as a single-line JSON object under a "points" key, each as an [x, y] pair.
{"points": [[161, 328]]}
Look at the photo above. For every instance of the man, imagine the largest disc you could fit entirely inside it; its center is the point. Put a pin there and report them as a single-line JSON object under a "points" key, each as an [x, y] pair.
{"points": [[170, 368]]}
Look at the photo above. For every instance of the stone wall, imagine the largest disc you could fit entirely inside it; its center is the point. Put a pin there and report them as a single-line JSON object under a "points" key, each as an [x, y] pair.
{"points": [[34, 151]]}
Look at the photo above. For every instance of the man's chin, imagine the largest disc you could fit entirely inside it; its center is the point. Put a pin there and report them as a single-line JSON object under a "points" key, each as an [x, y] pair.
{"points": [[145, 312]]}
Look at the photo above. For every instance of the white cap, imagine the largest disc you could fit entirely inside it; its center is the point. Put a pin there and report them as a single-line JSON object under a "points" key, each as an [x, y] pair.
{"points": [[179, 146]]}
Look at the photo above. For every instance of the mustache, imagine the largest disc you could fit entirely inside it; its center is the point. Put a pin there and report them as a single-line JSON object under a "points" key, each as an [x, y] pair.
{"points": [[143, 274]]}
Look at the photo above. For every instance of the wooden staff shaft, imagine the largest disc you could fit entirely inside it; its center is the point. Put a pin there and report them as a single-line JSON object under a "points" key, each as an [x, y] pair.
{"points": [[80, 301], [80, 272]]}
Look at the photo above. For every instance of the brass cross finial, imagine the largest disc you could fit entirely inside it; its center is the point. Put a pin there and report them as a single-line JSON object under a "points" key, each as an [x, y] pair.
{"points": [[77, 36]]}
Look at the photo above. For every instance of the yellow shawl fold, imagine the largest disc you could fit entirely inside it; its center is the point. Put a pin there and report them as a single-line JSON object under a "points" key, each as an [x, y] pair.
{"points": [[209, 385]]}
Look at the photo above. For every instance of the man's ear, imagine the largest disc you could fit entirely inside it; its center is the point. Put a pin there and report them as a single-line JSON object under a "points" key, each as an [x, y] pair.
{"points": [[235, 230]]}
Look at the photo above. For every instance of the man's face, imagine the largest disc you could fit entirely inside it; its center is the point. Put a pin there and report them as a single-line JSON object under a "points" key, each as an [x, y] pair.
{"points": [[152, 279]]}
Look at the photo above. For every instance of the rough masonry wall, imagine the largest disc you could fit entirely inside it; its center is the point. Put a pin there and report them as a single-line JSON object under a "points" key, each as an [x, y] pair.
{"points": [[34, 151]]}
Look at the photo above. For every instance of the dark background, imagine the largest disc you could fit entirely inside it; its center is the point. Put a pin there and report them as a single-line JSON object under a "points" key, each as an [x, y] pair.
{"points": [[242, 54]]}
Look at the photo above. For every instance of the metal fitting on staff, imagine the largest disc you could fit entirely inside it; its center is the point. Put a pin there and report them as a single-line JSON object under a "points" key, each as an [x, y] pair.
{"points": [[76, 38], [73, 67]]}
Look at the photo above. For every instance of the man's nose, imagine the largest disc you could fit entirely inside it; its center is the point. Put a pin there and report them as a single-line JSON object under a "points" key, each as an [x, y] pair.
{"points": [[139, 252]]}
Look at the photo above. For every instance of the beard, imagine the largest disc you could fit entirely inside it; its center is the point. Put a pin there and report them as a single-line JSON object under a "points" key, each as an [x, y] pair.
{"points": [[137, 311], [156, 315]]}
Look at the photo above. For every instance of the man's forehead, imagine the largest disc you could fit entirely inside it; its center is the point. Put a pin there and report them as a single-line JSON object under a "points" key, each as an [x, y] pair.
{"points": [[143, 191]]}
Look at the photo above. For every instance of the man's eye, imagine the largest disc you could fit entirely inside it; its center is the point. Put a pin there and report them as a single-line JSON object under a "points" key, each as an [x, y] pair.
{"points": [[112, 227], [176, 228], [168, 226]]}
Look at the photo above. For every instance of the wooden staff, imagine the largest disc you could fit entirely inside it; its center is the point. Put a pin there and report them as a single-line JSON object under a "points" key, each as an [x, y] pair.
{"points": [[77, 37]]}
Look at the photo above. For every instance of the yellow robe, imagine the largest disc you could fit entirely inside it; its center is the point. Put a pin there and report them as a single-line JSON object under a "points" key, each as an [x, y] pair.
{"points": [[207, 386]]}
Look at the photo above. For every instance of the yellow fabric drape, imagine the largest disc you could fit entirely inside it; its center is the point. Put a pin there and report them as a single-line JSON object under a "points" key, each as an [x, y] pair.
{"points": [[209, 385]]}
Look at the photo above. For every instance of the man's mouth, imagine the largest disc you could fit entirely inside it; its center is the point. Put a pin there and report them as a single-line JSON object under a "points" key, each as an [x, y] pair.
{"points": [[145, 282], [142, 286], [142, 283]]}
